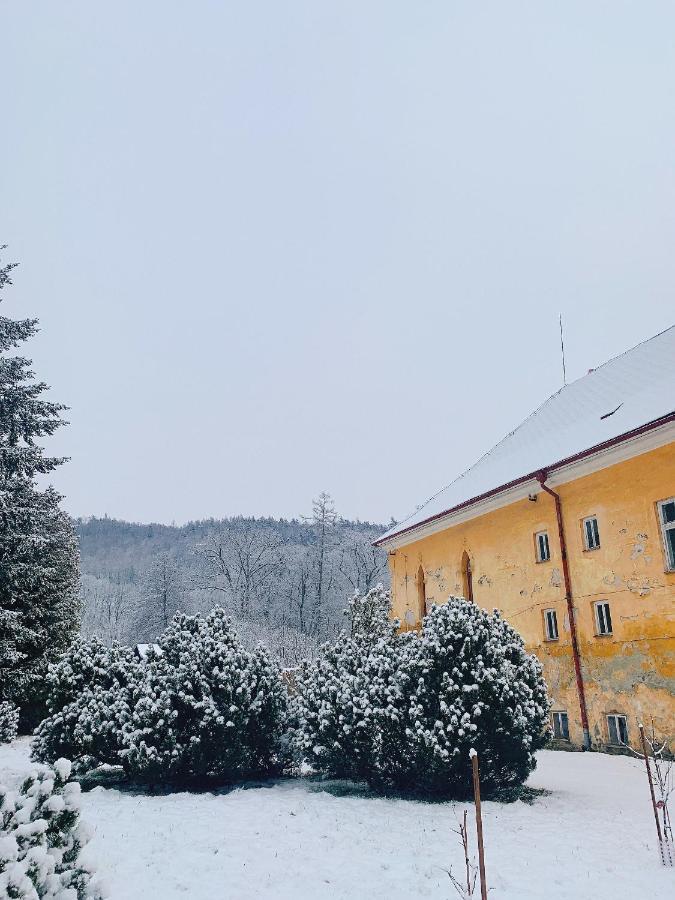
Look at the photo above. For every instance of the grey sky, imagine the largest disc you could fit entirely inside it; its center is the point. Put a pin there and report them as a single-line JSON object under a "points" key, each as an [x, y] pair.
{"points": [[280, 247]]}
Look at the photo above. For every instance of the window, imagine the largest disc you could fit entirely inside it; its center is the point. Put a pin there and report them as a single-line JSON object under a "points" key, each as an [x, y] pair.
{"points": [[551, 625], [591, 533], [467, 577], [561, 726], [617, 728], [541, 545], [603, 618], [667, 520], [421, 594]]}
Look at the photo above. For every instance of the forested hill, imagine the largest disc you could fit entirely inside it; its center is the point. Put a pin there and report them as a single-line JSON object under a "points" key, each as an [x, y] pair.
{"points": [[107, 544], [285, 581]]}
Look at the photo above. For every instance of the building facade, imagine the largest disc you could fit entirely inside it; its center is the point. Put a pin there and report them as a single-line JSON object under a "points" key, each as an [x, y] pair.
{"points": [[577, 551]]}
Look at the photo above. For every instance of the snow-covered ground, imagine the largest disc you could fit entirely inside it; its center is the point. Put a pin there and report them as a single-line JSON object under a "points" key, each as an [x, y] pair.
{"points": [[591, 837]]}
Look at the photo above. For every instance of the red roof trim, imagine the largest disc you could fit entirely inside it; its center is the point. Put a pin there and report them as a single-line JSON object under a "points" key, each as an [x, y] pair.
{"points": [[605, 445]]}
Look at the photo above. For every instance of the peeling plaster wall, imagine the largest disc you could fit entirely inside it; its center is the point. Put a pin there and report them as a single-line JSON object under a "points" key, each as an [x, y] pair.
{"points": [[631, 672]]}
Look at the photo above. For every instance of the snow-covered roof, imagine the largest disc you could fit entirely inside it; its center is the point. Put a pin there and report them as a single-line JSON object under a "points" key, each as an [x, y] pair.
{"points": [[620, 396], [144, 649]]}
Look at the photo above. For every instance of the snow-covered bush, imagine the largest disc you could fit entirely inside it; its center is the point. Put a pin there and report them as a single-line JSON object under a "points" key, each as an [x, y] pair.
{"points": [[205, 707], [41, 839], [370, 615], [403, 711], [89, 695], [201, 706], [9, 721], [335, 710], [468, 682]]}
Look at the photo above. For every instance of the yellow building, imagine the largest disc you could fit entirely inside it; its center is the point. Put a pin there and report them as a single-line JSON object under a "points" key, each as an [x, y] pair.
{"points": [[568, 527]]}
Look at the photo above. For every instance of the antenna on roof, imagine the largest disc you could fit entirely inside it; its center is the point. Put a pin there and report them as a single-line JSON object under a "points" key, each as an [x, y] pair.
{"points": [[562, 349]]}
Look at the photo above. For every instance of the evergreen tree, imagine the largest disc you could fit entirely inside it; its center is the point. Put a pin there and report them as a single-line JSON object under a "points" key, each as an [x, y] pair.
{"points": [[41, 839], [340, 691], [403, 710], [199, 707], [205, 707], [38, 549], [89, 695], [9, 721]]}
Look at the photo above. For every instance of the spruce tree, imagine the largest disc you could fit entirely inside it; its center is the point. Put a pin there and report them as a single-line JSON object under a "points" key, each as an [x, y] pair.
{"points": [[38, 550]]}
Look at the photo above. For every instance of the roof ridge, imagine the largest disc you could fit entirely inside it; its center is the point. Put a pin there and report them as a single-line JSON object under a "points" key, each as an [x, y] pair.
{"points": [[618, 356]]}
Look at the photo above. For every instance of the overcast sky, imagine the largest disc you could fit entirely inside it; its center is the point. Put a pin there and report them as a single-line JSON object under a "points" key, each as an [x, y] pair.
{"points": [[285, 247]]}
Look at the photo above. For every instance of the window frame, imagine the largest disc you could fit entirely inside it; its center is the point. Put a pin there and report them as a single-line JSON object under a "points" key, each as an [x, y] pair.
{"points": [[584, 532], [665, 527], [619, 742], [606, 618], [537, 547], [547, 632], [562, 736]]}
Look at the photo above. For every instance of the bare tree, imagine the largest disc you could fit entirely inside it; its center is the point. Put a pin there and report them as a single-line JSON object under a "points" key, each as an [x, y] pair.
{"points": [[361, 565], [323, 519], [660, 766], [299, 592], [163, 592], [110, 604], [283, 639], [465, 886], [244, 565]]}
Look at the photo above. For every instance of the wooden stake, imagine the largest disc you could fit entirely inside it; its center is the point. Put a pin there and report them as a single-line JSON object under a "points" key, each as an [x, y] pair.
{"points": [[479, 825], [651, 790]]}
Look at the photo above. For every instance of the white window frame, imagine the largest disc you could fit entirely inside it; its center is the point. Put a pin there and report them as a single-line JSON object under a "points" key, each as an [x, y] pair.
{"points": [[665, 528], [551, 619], [540, 557], [617, 718], [587, 543], [603, 618], [559, 713]]}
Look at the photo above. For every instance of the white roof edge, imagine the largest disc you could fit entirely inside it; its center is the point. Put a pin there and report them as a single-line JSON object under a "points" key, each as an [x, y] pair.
{"points": [[625, 447]]}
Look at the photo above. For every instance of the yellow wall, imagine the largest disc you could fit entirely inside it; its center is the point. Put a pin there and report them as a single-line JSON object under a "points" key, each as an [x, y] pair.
{"points": [[630, 672]]}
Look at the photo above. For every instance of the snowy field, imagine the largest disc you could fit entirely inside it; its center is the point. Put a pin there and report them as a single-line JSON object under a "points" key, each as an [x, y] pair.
{"points": [[591, 837]]}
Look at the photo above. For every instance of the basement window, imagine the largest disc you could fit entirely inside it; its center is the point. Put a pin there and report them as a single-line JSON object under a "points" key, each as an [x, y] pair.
{"points": [[551, 625], [617, 729], [561, 726], [667, 521], [542, 548], [603, 618], [591, 533]]}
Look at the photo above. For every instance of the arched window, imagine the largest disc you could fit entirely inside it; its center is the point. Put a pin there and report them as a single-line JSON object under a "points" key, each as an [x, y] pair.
{"points": [[467, 577], [421, 594]]}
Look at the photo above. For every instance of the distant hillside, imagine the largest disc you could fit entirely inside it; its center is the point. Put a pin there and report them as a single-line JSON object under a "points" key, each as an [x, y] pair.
{"points": [[284, 581]]}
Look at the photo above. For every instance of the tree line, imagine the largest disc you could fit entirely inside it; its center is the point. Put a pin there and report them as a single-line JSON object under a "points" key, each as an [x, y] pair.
{"points": [[285, 582]]}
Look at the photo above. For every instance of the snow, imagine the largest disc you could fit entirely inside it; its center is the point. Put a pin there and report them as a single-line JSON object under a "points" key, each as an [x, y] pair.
{"points": [[592, 836], [62, 768], [631, 390]]}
